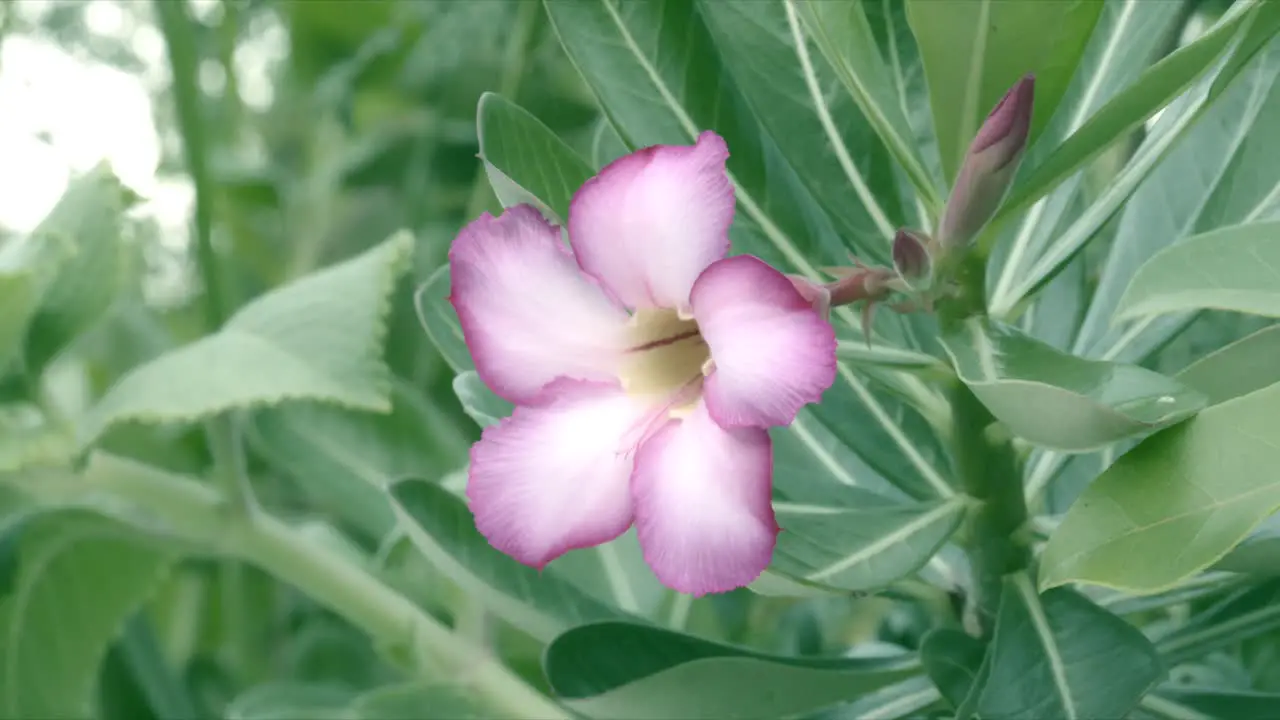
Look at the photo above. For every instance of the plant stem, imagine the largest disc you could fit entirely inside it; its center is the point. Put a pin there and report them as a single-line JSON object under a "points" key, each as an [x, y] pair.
{"points": [[989, 474], [200, 515], [179, 35], [987, 464]]}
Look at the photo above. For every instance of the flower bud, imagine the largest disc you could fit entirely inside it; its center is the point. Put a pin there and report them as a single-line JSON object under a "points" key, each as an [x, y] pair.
{"points": [[911, 259], [988, 167]]}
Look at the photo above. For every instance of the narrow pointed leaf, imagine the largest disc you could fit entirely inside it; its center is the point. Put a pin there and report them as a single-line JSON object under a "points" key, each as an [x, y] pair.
{"points": [[1061, 401], [1153, 90], [844, 36], [1200, 487], [623, 671], [525, 152], [1240, 368]]}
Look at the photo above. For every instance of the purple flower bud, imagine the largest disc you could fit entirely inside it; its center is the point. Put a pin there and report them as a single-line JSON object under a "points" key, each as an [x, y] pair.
{"points": [[911, 258], [989, 166]]}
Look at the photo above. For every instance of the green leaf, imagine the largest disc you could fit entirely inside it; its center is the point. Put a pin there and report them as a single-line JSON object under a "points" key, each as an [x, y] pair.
{"points": [[1219, 703], [823, 136], [659, 79], [1221, 172], [1061, 401], [975, 50], [1236, 268], [89, 218], [442, 701], [1259, 554], [844, 37], [1059, 655], [952, 659], [906, 699], [621, 670], [440, 320], [342, 459], [1130, 34], [1199, 487], [1248, 613], [285, 700], [27, 267], [527, 153], [319, 338], [864, 547], [478, 400], [440, 526], [1247, 365], [1153, 90], [79, 578]]}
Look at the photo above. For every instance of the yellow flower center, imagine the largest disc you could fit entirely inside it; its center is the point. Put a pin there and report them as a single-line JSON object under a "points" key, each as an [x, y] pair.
{"points": [[667, 356]]}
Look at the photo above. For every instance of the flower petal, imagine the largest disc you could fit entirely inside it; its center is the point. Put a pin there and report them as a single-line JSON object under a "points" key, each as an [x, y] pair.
{"points": [[773, 352], [702, 504], [654, 219], [553, 476], [528, 313]]}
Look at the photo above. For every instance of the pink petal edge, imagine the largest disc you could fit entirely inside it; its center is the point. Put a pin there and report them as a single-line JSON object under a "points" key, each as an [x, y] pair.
{"points": [[703, 508], [528, 313], [773, 351], [651, 221], [554, 476]]}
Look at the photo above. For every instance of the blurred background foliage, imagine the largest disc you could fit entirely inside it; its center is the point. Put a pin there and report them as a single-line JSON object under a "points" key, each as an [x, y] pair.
{"points": [[327, 125]]}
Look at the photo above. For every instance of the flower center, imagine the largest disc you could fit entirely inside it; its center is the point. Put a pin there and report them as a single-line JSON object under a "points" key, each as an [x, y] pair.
{"points": [[667, 357]]}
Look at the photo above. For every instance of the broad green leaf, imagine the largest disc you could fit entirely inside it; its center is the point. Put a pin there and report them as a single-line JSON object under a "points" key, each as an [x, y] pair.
{"points": [[478, 400], [525, 152], [1221, 172], [844, 36], [1200, 487], [952, 659], [975, 50], [440, 526], [1061, 401], [1059, 655], [342, 459], [1259, 554], [284, 700], [1240, 368], [861, 548], [89, 217], [622, 670], [79, 578], [1153, 90], [1128, 36], [319, 338], [824, 136], [1236, 268]]}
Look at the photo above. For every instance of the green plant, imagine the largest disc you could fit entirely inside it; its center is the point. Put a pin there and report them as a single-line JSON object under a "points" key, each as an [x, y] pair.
{"points": [[1041, 485]]}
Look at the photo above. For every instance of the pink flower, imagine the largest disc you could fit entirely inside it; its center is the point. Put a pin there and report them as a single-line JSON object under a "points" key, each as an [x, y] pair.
{"points": [[645, 367]]}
